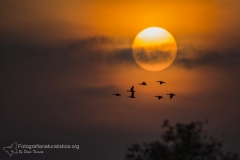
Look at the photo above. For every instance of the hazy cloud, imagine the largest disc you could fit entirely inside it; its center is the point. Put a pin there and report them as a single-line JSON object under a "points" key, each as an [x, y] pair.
{"points": [[86, 54], [153, 56], [102, 50], [191, 58], [112, 51], [67, 57], [121, 56]]}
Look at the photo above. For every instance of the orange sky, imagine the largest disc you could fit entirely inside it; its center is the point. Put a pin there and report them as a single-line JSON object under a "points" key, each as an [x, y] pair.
{"points": [[74, 19]]}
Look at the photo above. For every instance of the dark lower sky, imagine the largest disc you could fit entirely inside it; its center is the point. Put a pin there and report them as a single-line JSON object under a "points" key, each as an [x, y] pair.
{"points": [[61, 61]]}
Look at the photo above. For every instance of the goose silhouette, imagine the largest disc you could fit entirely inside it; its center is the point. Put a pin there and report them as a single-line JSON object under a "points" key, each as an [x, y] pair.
{"points": [[159, 97], [171, 95], [143, 83], [161, 82]]}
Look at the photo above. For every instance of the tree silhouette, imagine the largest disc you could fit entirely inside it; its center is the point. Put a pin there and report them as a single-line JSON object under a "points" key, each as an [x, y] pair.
{"points": [[181, 142]]}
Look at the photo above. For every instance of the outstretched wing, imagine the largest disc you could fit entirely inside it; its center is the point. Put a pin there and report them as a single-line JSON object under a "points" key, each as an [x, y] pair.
{"points": [[132, 95], [132, 88]]}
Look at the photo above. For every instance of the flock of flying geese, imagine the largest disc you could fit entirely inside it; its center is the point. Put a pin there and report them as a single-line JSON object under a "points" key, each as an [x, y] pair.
{"points": [[144, 83]]}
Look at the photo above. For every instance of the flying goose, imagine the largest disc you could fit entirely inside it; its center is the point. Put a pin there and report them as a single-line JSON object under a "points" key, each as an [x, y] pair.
{"points": [[161, 82], [171, 95], [159, 97], [143, 83]]}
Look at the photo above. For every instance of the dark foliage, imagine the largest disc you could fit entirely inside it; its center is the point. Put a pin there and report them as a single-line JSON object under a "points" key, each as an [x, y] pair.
{"points": [[181, 142]]}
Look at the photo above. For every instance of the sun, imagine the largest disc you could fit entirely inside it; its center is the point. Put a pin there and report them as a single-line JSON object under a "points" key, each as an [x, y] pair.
{"points": [[154, 49]]}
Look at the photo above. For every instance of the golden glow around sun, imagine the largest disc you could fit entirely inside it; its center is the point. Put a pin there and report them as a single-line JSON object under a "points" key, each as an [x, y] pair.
{"points": [[154, 49]]}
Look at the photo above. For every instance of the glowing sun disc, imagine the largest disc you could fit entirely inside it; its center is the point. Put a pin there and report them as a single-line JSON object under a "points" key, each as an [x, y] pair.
{"points": [[154, 49]]}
